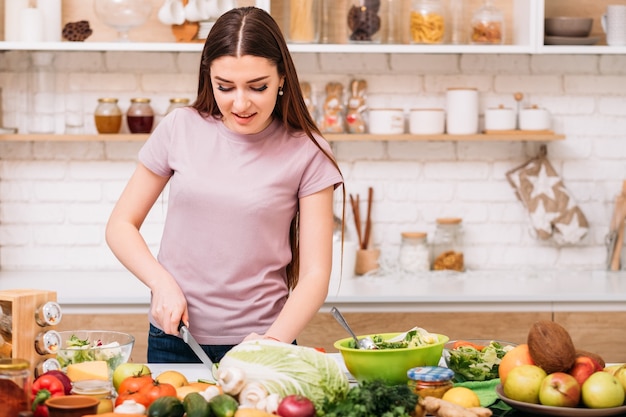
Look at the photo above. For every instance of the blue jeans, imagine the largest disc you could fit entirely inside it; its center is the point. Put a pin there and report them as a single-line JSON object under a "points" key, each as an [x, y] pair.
{"points": [[167, 348]]}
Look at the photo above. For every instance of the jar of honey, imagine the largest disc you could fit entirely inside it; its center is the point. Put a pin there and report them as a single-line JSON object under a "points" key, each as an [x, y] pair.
{"points": [[430, 381], [14, 386], [140, 116], [108, 116]]}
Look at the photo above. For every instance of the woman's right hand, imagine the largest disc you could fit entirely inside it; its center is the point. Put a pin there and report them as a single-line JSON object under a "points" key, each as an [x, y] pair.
{"points": [[169, 306]]}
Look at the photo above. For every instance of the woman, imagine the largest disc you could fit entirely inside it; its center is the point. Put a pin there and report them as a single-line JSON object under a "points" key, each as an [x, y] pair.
{"points": [[250, 201]]}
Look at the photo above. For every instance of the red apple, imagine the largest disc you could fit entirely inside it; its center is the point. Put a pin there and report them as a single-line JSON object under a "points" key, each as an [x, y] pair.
{"points": [[523, 383], [559, 390], [583, 368], [602, 390]]}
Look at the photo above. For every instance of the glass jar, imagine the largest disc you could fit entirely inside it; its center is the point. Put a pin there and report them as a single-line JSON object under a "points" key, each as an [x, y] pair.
{"points": [[102, 390], [49, 364], [14, 386], [47, 342], [448, 245], [108, 116], [302, 20], [41, 102], [487, 25], [364, 21], [176, 103], [427, 22], [48, 314], [430, 381], [414, 253], [140, 116]]}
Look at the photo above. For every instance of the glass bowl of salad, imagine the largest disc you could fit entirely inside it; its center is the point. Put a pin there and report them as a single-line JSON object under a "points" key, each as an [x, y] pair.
{"points": [[475, 359], [394, 355], [94, 345]]}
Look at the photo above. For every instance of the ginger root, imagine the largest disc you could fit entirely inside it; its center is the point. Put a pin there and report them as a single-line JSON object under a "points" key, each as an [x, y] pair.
{"points": [[441, 408]]}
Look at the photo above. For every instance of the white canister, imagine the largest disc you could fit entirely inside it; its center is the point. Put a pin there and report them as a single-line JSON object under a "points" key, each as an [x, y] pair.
{"points": [[386, 121], [427, 121], [12, 11], [462, 111], [534, 118], [500, 118]]}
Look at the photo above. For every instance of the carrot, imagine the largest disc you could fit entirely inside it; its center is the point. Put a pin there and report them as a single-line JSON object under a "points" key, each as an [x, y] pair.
{"points": [[460, 343]]}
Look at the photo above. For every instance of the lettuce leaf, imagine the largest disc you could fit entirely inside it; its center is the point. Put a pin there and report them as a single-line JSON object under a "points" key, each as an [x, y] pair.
{"points": [[286, 369]]}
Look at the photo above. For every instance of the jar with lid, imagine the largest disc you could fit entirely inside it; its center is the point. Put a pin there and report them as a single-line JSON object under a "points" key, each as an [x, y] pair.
{"points": [[102, 390], [487, 25], [108, 116], [430, 381], [14, 386], [414, 253], [303, 20], [448, 245], [176, 103], [364, 21], [427, 22], [140, 116]]}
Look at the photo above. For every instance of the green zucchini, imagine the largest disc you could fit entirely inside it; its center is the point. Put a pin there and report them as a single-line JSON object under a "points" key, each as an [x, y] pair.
{"points": [[196, 406], [223, 405], [167, 406]]}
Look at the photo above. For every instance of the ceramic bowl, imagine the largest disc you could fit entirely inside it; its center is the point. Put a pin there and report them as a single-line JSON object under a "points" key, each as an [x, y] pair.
{"points": [[72, 406], [388, 365], [577, 27], [102, 345]]}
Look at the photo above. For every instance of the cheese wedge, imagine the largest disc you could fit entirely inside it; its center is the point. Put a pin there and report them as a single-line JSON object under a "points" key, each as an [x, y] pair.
{"points": [[88, 370]]}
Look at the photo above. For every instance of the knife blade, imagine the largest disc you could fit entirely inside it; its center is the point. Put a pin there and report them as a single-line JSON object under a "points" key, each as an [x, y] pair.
{"points": [[195, 346]]}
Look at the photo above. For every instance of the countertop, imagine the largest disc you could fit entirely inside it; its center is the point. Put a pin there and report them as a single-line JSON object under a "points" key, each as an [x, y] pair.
{"points": [[119, 291]]}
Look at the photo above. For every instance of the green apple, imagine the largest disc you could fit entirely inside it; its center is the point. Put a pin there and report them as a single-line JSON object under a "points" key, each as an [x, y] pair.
{"points": [[127, 369], [619, 372], [602, 390], [523, 383]]}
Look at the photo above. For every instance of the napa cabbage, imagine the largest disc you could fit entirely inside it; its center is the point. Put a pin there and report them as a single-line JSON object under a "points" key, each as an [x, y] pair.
{"points": [[285, 369]]}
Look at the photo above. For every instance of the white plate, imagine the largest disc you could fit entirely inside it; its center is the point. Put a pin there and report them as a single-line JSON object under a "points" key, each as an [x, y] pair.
{"points": [[565, 40], [545, 410]]}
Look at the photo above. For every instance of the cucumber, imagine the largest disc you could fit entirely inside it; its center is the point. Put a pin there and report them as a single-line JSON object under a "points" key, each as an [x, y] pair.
{"points": [[196, 406], [223, 405], [167, 406]]}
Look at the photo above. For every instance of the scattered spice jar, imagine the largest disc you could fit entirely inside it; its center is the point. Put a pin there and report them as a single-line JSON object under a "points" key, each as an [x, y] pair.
{"points": [[140, 116], [108, 116], [430, 381], [448, 245], [14, 386]]}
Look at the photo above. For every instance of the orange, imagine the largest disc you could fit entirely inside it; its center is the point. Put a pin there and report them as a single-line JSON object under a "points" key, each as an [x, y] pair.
{"points": [[517, 356]]}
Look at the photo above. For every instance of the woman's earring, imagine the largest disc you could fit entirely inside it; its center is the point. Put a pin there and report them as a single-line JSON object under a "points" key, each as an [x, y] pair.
{"points": [[280, 91]]}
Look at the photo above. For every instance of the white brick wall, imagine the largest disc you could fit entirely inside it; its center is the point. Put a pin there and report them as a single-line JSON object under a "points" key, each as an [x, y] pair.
{"points": [[55, 197]]}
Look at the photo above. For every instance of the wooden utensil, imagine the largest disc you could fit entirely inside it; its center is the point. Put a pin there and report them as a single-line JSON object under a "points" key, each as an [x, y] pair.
{"points": [[617, 226]]}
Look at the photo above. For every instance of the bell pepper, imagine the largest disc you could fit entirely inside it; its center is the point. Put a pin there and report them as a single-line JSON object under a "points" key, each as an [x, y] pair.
{"points": [[44, 387]]}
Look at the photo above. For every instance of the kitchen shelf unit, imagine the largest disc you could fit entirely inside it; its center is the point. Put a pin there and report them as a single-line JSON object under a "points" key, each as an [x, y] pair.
{"points": [[334, 137]]}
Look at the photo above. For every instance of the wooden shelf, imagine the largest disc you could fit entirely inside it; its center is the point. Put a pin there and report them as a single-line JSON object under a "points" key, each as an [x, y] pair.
{"points": [[129, 137]]}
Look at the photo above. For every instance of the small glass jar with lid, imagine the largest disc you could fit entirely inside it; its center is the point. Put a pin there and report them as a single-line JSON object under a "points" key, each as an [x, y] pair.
{"points": [[176, 103], [303, 21], [427, 22], [447, 247], [15, 381], [414, 253], [364, 21], [108, 116], [140, 116], [487, 25], [430, 381], [102, 390]]}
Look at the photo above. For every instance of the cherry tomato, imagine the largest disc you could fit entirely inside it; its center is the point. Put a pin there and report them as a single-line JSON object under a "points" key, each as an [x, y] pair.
{"points": [[460, 343], [296, 406], [134, 383], [156, 390]]}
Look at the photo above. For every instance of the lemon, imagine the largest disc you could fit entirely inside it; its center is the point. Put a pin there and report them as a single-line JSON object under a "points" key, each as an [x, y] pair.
{"points": [[462, 396]]}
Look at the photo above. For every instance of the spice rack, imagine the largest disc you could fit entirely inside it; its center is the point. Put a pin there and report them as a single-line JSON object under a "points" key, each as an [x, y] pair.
{"points": [[26, 316]]}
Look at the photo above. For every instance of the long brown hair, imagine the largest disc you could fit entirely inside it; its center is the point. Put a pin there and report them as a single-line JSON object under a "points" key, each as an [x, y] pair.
{"points": [[252, 31]]}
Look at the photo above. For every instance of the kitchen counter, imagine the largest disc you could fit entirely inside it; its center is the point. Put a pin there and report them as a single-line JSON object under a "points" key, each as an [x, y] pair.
{"points": [[120, 292]]}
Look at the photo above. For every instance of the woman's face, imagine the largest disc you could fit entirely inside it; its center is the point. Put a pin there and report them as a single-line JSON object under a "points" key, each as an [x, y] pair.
{"points": [[246, 90]]}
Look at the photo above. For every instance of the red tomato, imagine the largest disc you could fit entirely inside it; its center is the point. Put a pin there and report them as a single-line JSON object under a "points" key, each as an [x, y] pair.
{"points": [[296, 406], [134, 383], [156, 390], [129, 395]]}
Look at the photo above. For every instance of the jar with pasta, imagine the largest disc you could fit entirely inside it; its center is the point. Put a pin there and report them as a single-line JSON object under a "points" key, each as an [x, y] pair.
{"points": [[427, 22], [447, 247], [364, 21], [302, 20], [487, 25]]}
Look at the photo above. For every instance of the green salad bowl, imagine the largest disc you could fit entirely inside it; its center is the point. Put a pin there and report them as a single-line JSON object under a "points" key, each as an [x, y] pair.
{"points": [[388, 365]]}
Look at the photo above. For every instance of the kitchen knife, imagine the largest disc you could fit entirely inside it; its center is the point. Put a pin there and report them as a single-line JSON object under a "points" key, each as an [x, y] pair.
{"points": [[195, 346]]}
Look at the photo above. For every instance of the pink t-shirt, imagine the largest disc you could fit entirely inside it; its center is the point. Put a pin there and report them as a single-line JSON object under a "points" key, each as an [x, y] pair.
{"points": [[230, 205]]}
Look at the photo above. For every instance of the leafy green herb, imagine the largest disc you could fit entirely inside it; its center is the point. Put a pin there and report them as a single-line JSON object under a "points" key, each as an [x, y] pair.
{"points": [[471, 364], [413, 338], [372, 399]]}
